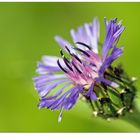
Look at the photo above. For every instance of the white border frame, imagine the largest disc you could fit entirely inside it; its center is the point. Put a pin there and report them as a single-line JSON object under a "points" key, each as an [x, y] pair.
{"points": [[70, 136]]}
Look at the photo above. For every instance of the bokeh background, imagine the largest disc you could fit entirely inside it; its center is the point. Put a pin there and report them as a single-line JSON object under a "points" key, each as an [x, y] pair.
{"points": [[27, 32]]}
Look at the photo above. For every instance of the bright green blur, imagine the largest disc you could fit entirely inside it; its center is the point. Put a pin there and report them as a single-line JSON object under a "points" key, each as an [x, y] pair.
{"points": [[27, 32]]}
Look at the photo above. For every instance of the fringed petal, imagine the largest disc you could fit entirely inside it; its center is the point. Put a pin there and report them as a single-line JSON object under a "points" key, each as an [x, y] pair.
{"points": [[116, 52], [113, 32], [87, 34]]}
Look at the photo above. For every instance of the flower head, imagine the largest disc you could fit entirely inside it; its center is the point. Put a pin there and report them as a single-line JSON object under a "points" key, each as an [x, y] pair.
{"points": [[85, 71]]}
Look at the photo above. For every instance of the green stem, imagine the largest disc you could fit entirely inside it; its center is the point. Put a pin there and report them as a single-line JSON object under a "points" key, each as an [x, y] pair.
{"points": [[130, 117], [133, 118]]}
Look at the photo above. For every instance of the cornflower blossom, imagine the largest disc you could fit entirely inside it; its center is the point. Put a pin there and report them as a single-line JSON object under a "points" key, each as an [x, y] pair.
{"points": [[86, 73]]}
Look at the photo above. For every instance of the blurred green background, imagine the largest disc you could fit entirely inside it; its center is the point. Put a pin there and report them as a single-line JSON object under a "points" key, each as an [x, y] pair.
{"points": [[27, 32]]}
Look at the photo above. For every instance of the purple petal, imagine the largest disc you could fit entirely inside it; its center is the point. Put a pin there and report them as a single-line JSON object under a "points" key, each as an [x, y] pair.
{"points": [[48, 101], [48, 78], [63, 43], [72, 98], [80, 36], [116, 52], [62, 100], [44, 103], [113, 32], [58, 102], [107, 82], [117, 34], [41, 82], [49, 65], [87, 34], [55, 95], [95, 30], [43, 69], [45, 89], [50, 60], [91, 93], [60, 115]]}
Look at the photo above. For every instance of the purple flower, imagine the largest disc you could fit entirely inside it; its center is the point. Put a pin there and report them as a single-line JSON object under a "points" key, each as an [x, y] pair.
{"points": [[84, 69]]}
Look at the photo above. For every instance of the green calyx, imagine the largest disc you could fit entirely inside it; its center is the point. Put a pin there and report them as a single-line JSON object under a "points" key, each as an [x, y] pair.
{"points": [[114, 102]]}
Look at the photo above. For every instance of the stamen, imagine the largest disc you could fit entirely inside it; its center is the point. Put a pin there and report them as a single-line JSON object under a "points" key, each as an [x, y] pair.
{"points": [[76, 68], [92, 64], [67, 64], [61, 52], [82, 51], [85, 45], [67, 49], [66, 61], [77, 58], [73, 55], [61, 66], [115, 20]]}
